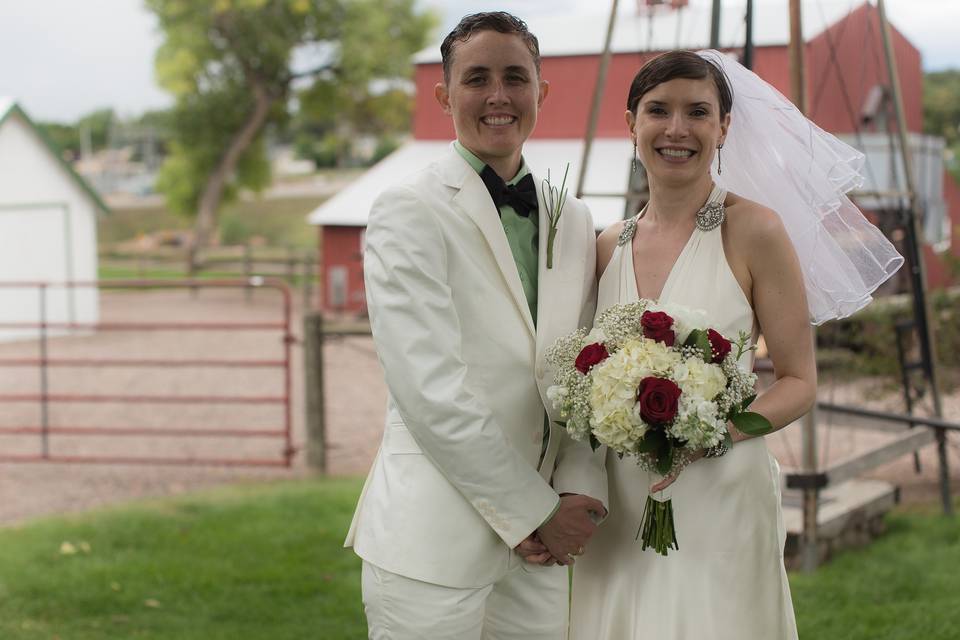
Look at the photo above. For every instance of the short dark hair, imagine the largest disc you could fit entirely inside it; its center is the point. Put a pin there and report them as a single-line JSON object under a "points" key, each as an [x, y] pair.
{"points": [[679, 64], [500, 21]]}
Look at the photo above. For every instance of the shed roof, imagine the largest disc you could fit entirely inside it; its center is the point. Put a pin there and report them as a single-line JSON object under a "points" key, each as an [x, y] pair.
{"points": [[608, 171], [9, 109], [689, 28]]}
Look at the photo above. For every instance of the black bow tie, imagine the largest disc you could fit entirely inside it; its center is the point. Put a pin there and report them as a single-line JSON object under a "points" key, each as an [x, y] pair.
{"points": [[522, 196]]}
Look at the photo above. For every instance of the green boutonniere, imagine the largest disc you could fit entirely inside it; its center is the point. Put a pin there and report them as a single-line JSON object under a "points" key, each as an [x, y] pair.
{"points": [[554, 199]]}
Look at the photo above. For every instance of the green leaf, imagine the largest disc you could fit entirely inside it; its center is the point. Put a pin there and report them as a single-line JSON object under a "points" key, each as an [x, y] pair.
{"points": [[746, 402], [752, 424], [594, 443], [698, 338], [652, 442], [665, 458]]}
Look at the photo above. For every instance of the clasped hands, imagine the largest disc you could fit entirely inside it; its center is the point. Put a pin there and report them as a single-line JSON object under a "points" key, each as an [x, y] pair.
{"points": [[564, 536]]}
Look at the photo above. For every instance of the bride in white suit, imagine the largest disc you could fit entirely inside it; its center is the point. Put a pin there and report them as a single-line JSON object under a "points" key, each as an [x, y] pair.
{"points": [[469, 476]]}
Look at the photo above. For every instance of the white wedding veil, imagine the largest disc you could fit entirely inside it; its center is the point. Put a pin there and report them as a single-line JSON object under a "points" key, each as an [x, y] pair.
{"points": [[775, 156]]}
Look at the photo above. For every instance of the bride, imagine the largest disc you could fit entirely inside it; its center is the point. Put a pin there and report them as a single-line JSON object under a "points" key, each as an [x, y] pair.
{"points": [[768, 268]]}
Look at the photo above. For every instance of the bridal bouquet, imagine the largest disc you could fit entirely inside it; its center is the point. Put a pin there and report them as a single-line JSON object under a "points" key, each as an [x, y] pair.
{"points": [[655, 382]]}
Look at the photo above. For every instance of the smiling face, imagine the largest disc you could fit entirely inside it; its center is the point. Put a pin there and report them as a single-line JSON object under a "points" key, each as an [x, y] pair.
{"points": [[677, 128], [493, 94]]}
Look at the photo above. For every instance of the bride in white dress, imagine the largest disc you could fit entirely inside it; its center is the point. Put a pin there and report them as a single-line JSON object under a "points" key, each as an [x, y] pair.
{"points": [[726, 580]]}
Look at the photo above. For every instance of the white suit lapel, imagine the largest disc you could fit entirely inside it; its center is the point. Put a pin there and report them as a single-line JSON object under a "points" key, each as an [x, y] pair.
{"points": [[473, 200], [546, 278]]}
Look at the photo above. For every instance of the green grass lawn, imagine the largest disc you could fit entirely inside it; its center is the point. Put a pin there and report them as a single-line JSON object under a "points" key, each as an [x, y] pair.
{"points": [[265, 561], [123, 272], [260, 561], [905, 586]]}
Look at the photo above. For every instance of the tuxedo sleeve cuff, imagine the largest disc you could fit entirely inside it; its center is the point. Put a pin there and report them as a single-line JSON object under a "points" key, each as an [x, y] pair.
{"points": [[556, 508]]}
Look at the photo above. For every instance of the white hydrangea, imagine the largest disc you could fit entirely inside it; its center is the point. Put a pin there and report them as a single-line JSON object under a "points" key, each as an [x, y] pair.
{"points": [[698, 378]]}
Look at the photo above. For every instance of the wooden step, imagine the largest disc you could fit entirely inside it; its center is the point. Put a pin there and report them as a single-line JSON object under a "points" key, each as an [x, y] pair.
{"points": [[850, 515]]}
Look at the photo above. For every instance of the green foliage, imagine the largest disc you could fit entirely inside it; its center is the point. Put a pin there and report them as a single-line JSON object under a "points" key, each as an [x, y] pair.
{"points": [[941, 111], [64, 136], [225, 59], [941, 104], [370, 92], [68, 138], [202, 127], [234, 230], [866, 343], [752, 424], [246, 562], [698, 338], [385, 146], [326, 152]]}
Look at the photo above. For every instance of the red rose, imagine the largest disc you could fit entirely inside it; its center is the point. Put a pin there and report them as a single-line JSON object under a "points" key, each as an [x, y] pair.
{"points": [[591, 355], [719, 345], [657, 326], [658, 399]]}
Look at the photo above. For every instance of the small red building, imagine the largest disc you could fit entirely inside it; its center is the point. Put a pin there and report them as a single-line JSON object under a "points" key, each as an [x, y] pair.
{"points": [[845, 73]]}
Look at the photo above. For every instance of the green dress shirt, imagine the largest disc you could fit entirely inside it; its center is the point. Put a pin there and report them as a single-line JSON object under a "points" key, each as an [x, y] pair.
{"points": [[522, 233]]}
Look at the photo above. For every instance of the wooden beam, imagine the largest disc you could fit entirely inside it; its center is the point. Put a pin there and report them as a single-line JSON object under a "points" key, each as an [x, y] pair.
{"points": [[854, 465]]}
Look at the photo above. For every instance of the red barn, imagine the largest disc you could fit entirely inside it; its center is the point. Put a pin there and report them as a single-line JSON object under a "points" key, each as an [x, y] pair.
{"points": [[845, 76]]}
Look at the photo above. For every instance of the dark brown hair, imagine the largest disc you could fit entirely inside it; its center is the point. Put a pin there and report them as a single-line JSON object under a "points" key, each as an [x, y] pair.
{"points": [[679, 64], [499, 21]]}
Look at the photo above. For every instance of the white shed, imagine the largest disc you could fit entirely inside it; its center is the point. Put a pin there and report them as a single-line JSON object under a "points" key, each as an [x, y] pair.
{"points": [[48, 230]]}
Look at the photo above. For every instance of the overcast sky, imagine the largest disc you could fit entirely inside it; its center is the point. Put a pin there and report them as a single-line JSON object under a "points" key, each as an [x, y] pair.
{"points": [[61, 59]]}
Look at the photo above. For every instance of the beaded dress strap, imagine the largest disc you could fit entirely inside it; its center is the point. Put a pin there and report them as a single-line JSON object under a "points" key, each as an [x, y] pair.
{"points": [[629, 229], [710, 216]]}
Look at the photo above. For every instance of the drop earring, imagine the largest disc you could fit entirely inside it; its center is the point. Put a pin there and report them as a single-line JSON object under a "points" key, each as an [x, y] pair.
{"points": [[719, 159], [633, 166]]}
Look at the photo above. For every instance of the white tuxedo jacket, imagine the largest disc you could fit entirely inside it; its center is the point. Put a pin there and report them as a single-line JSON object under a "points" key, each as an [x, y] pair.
{"points": [[455, 485]]}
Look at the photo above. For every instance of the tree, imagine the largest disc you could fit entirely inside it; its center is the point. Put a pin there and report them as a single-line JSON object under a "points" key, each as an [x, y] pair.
{"points": [[941, 110], [229, 65]]}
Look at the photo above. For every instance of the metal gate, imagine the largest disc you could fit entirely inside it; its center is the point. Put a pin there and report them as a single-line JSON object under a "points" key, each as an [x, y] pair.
{"points": [[155, 390]]}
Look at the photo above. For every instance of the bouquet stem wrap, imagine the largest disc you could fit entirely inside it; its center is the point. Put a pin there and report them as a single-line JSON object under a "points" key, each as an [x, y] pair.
{"points": [[657, 528]]}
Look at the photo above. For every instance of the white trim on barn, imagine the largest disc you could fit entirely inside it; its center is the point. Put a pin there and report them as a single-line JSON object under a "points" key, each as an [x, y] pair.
{"points": [[609, 169]]}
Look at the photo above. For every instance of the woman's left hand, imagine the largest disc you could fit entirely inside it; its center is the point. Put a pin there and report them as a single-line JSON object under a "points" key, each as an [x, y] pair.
{"points": [[672, 477]]}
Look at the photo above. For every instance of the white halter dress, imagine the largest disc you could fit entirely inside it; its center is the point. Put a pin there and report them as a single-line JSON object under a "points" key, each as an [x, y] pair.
{"points": [[727, 580]]}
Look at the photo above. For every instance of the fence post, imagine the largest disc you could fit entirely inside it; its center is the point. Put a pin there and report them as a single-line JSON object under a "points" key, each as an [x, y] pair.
{"points": [[809, 540], [247, 270], [313, 381], [44, 382], [307, 279], [291, 264]]}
